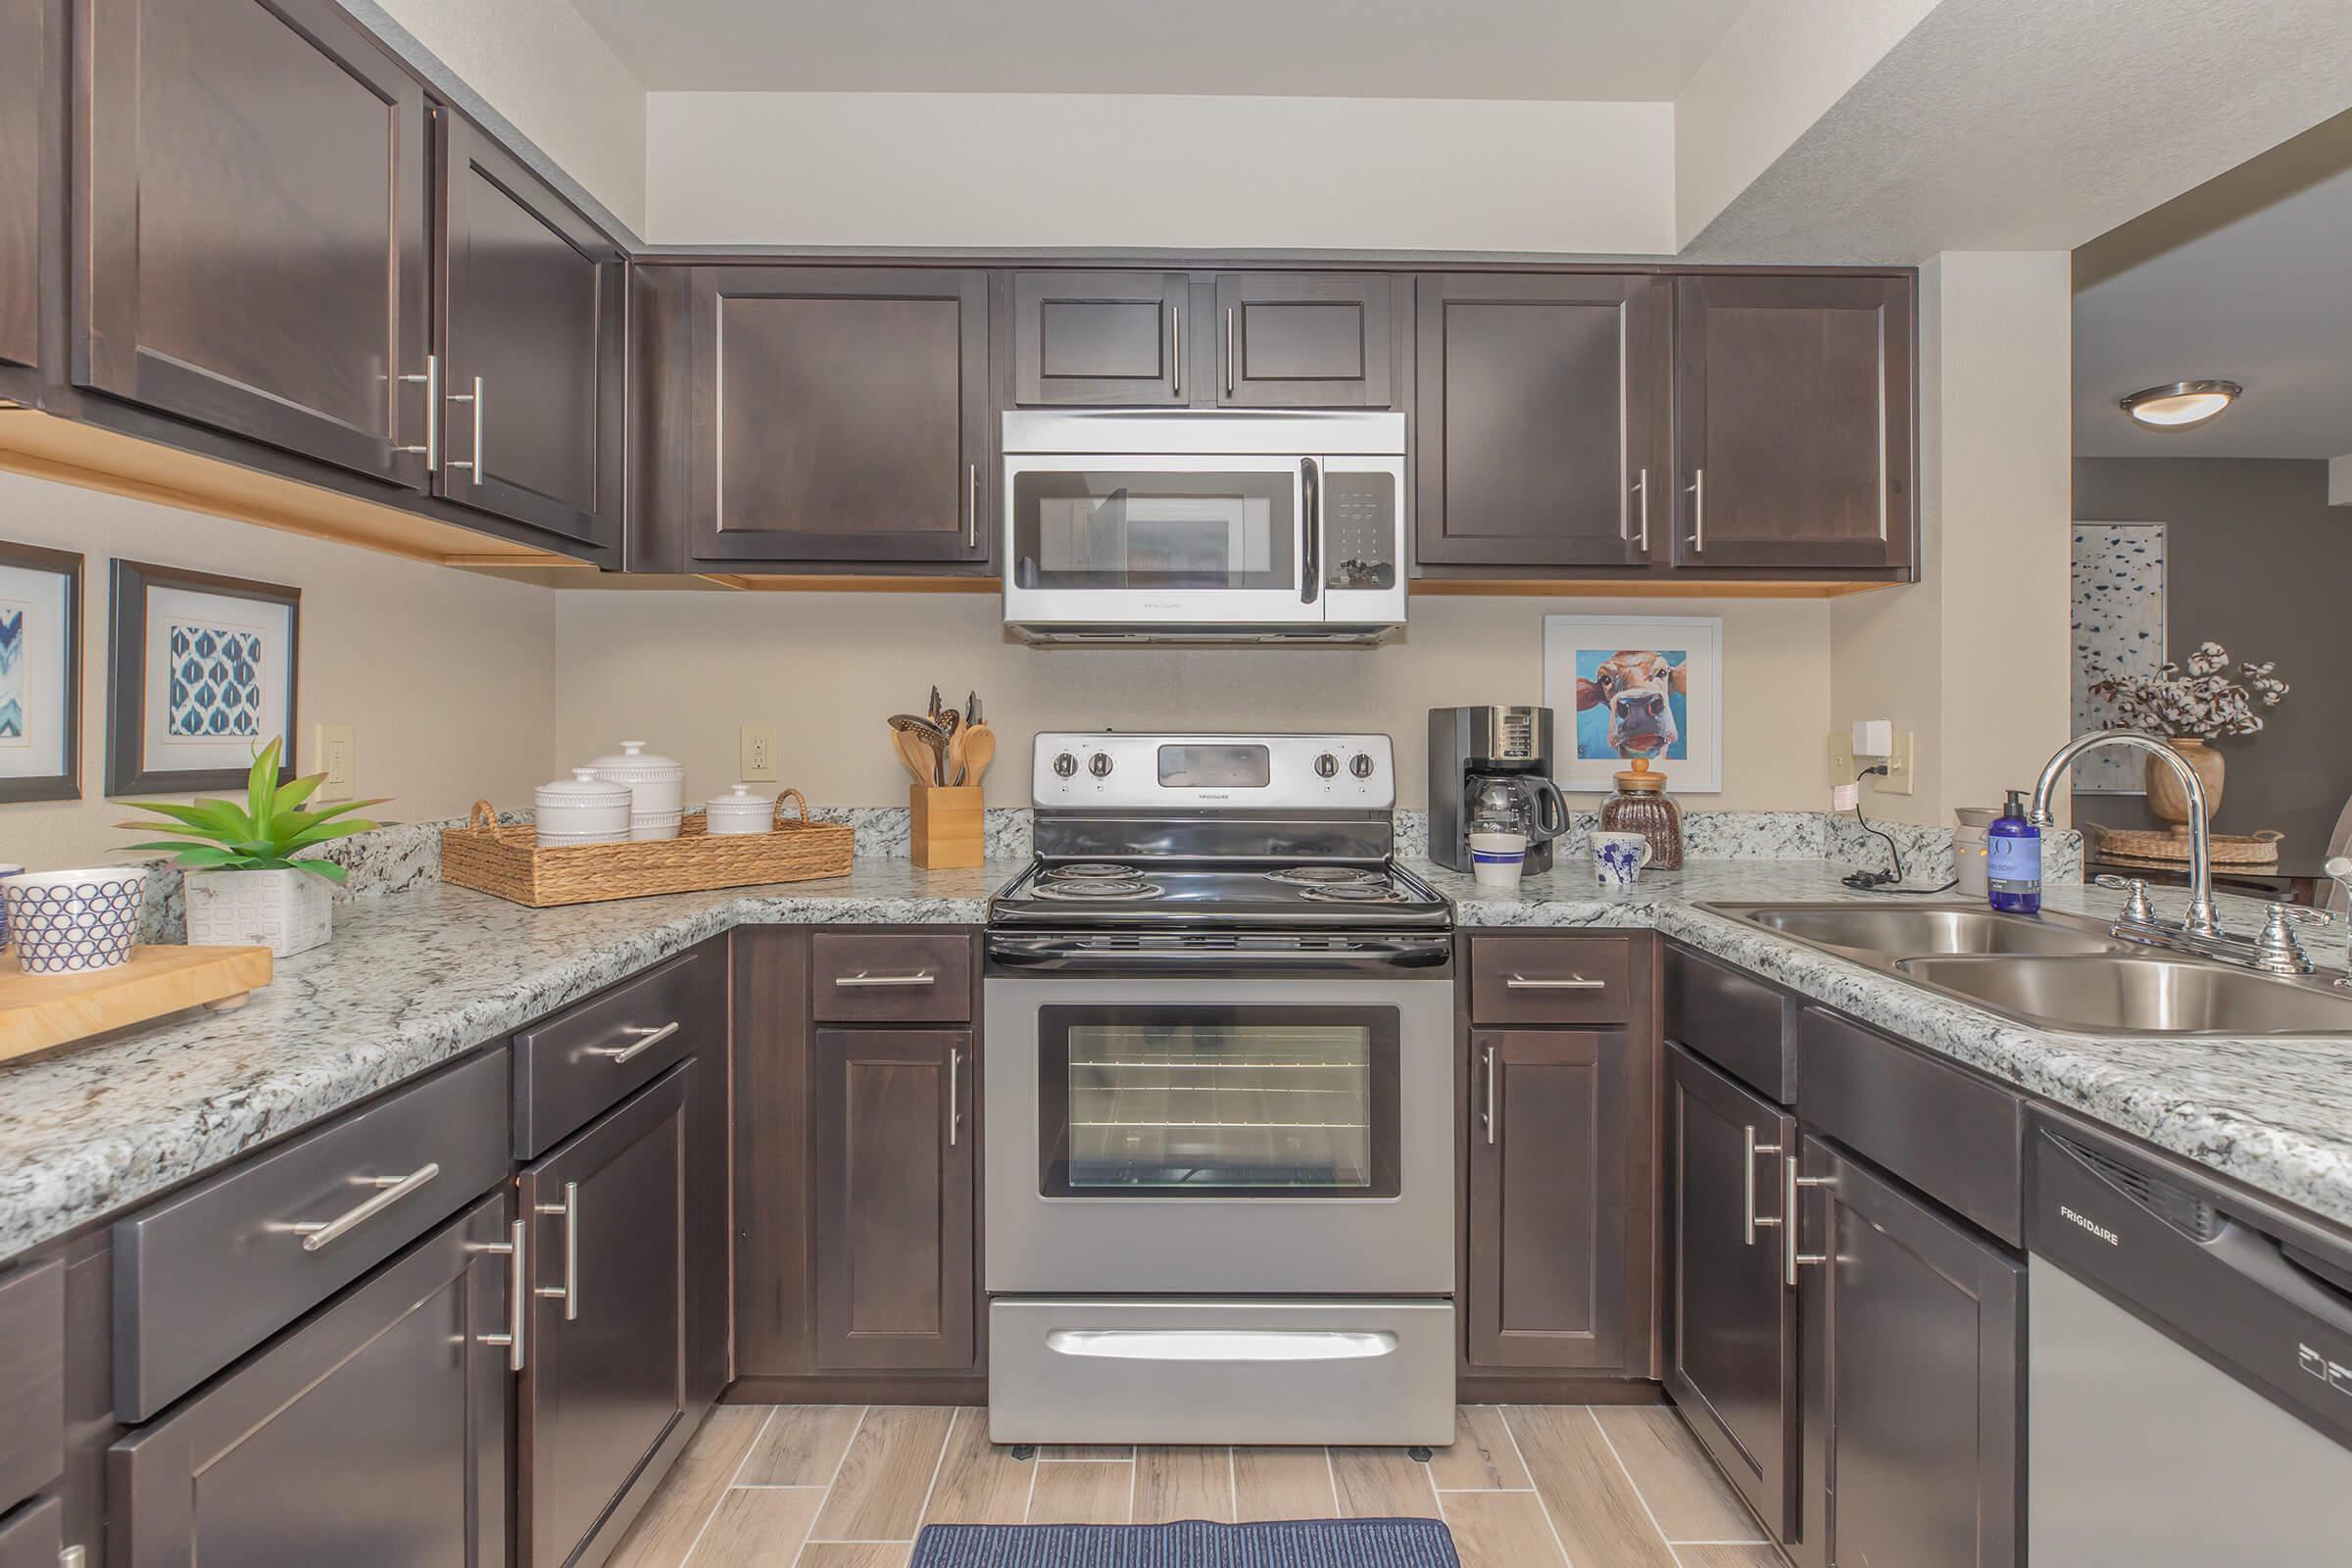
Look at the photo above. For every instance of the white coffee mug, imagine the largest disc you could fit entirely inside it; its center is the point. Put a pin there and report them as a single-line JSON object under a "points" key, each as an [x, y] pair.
{"points": [[1618, 859], [1497, 859]]}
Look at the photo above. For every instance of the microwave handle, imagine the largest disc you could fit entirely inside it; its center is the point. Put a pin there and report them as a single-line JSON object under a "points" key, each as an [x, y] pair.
{"points": [[1311, 530]]}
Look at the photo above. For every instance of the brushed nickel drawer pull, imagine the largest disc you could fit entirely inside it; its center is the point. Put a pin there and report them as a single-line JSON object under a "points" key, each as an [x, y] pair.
{"points": [[921, 977], [647, 1040], [1755, 1221], [518, 1291], [1574, 982], [1790, 1226], [954, 1076], [568, 1292], [317, 1234], [1490, 1093]]}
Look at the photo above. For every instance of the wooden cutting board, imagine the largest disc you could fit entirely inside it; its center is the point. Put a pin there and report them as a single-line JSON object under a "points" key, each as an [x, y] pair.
{"points": [[41, 1010]]}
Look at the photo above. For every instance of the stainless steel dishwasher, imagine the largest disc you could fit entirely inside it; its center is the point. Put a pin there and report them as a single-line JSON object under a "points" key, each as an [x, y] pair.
{"points": [[2190, 1368]]}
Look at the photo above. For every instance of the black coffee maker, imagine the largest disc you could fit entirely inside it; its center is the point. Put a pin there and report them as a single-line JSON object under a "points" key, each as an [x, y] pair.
{"points": [[1491, 761]]}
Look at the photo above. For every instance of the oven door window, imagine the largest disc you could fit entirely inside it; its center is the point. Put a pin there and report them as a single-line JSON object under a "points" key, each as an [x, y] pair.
{"points": [[1174, 1101], [1120, 528]]}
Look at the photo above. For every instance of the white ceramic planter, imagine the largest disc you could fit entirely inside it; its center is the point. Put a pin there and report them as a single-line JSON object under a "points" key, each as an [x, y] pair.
{"points": [[285, 912]]}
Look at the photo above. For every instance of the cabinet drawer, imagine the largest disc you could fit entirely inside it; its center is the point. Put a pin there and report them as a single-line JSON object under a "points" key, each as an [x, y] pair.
{"points": [[1551, 979], [205, 1276], [581, 1062], [34, 1535], [1741, 1025], [32, 1379], [891, 976], [1955, 1137]]}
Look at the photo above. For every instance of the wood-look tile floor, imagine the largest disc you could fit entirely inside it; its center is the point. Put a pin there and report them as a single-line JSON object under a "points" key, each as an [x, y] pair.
{"points": [[1522, 1487]]}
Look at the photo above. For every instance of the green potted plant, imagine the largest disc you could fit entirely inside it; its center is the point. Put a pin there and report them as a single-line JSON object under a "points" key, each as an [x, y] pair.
{"points": [[245, 887]]}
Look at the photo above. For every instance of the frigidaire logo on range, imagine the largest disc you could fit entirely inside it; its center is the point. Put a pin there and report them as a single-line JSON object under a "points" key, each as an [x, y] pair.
{"points": [[2090, 1225]]}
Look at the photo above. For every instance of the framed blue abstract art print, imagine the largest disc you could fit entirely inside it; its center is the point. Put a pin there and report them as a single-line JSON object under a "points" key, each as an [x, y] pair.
{"points": [[40, 673], [202, 675]]}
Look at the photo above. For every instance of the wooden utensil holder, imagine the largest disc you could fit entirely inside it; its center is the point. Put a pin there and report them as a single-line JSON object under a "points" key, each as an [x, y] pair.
{"points": [[944, 825]]}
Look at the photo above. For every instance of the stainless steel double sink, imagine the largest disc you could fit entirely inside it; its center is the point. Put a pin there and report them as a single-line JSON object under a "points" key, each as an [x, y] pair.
{"points": [[2057, 971]]}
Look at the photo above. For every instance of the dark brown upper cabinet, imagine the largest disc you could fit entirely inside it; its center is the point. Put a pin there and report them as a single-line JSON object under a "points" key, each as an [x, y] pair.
{"points": [[30, 36], [1913, 1379], [1730, 1314], [1540, 422], [533, 302], [1304, 340], [1115, 339], [251, 215], [1554, 1113], [605, 1381], [1792, 407], [893, 1199], [838, 415]]}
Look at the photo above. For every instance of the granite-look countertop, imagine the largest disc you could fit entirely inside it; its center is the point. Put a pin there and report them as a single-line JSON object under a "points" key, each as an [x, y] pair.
{"points": [[410, 981], [2275, 1114], [417, 978]]}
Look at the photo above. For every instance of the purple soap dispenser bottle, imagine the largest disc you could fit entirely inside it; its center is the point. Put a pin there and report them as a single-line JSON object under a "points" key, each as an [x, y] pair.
{"points": [[2013, 859]]}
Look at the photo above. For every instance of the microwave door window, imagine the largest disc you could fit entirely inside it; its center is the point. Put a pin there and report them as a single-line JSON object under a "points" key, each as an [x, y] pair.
{"points": [[1174, 531]]}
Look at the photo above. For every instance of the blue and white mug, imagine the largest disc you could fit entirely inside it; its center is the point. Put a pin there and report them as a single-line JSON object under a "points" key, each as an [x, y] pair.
{"points": [[1497, 859], [1618, 859], [73, 922], [6, 871]]}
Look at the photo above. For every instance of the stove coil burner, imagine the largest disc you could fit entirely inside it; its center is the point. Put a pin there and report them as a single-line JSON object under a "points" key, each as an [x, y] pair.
{"points": [[1356, 892], [1328, 876], [1091, 871], [1108, 890]]}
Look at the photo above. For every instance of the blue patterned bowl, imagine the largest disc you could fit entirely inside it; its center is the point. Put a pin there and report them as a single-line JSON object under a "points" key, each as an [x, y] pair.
{"points": [[7, 872], [73, 922]]}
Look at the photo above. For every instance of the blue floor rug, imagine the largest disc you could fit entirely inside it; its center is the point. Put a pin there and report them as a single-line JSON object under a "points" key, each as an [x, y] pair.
{"points": [[1290, 1544]]}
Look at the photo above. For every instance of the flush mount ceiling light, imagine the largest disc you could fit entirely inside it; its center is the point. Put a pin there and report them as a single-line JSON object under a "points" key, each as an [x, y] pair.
{"points": [[2182, 403]]}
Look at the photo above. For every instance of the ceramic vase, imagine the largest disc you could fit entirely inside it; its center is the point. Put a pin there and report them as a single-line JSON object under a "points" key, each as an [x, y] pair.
{"points": [[2168, 802]]}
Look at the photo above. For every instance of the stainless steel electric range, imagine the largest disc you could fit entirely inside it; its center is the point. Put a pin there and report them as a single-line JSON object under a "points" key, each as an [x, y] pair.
{"points": [[1219, 1093]]}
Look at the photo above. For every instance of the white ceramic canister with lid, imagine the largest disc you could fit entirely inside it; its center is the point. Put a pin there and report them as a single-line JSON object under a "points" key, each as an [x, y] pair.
{"points": [[739, 810], [581, 809], [657, 784]]}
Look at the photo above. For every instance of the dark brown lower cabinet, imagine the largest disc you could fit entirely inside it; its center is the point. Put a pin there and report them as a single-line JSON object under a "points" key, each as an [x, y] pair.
{"points": [[1730, 1318], [893, 1215], [33, 1536], [606, 1378], [373, 1435], [1553, 1120], [1914, 1375]]}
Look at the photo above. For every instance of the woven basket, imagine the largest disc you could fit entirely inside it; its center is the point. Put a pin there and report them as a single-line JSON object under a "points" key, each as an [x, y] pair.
{"points": [[509, 862], [2158, 844]]}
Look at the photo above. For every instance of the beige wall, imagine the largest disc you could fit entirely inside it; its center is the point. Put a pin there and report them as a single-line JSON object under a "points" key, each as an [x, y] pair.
{"points": [[446, 674], [1975, 658], [1012, 170], [685, 669]]}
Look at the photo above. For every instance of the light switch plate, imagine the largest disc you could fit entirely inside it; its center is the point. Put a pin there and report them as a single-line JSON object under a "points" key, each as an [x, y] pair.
{"points": [[758, 765], [334, 752]]}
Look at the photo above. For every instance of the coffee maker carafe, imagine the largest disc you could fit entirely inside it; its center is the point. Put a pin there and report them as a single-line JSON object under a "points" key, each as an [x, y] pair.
{"points": [[1492, 768]]}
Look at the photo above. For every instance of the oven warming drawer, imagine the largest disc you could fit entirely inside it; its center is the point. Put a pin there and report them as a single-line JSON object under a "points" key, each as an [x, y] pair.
{"points": [[1203, 1370]]}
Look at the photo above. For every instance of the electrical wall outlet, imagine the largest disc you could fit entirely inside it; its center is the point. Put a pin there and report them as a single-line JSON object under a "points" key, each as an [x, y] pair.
{"points": [[759, 760], [1903, 771], [1900, 777], [334, 752]]}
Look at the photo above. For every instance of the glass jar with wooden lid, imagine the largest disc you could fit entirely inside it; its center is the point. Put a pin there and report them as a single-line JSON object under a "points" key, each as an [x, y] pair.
{"points": [[1641, 806]]}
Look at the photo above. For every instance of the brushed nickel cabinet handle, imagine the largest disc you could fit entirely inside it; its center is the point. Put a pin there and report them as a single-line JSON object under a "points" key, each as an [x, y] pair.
{"points": [[647, 1040], [972, 505], [1642, 489], [1574, 982], [1748, 1205], [317, 1234], [955, 1077], [1230, 362], [1699, 509], [1792, 1183], [1490, 1093], [1176, 349], [921, 977], [431, 381], [473, 465], [518, 1291], [568, 1292]]}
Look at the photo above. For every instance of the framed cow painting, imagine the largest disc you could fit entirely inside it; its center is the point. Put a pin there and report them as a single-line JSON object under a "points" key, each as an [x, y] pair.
{"points": [[1621, 687]]}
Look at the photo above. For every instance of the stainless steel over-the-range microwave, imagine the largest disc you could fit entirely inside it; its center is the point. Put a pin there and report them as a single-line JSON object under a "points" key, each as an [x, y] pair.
{"points": [[1217, 526]]}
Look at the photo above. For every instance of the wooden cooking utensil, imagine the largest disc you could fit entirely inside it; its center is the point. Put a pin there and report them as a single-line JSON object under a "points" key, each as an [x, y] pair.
{"points": [[952, 766], [978, 745], [916, 753]]}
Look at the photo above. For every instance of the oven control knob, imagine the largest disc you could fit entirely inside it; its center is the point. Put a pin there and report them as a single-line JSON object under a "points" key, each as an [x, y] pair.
{"points": [[1065, 766], [1098, 764], [1361, 765], [1326, 765]]}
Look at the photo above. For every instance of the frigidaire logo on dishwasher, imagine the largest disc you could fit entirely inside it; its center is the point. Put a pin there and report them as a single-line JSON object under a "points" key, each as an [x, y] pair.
{"points": [[2090, 1225]]}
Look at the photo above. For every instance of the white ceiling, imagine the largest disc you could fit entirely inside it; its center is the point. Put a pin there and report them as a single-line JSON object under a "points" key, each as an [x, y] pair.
{"points": [[1619, 50], [2247, 278]]}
